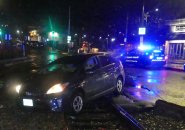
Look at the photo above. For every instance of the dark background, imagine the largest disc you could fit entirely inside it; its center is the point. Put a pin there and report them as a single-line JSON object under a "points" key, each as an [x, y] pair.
{"points": [[92, 16]]}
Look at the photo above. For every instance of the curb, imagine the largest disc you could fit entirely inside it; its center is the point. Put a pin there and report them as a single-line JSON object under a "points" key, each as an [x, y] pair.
{"points": [[126, 115], [170, 109], [14, 61], [175, 69]]}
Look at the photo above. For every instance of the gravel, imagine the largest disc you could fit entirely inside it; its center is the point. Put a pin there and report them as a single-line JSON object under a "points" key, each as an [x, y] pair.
{"points": [[156, 121], [12, 119]]}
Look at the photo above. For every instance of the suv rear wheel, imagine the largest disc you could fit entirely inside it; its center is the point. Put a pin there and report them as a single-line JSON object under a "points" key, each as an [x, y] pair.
{"points": [[119, 86]]}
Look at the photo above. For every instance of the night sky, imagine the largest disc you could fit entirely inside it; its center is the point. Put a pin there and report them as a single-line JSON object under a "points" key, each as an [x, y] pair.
{"points": [[91, 15]]}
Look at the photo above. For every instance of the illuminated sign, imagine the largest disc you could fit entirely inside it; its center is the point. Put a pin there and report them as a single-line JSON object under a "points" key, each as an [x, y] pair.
{"points": [[178, 29], [33, 33], [142, 31], [68, 39]]}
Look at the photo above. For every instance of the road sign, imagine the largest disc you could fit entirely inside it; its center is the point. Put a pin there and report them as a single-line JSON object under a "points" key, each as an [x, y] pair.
{"points": [[142, 31]]}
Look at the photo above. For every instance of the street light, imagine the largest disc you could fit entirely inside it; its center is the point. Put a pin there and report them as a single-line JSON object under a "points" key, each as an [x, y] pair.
{"points": [[156, 10], [113, 39], [18, 32], [1, 32], [54, 34]]}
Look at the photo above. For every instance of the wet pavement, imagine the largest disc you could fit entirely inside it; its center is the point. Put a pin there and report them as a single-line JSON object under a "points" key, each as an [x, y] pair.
{"points": [[161, 84]]}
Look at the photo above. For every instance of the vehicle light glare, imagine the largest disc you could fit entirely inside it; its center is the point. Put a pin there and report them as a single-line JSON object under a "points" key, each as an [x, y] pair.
{"points": [[17, 88], [166, 57], [157, 51], [139, 86], [143, 48], [151, 57], [57, 88]]}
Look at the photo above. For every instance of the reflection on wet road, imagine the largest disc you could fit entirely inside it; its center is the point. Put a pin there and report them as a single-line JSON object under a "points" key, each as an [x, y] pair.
{"points": [[41, 57], [163, 84]]}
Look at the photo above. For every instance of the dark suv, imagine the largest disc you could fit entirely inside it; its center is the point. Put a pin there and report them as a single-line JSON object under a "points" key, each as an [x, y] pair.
{"points": [[68, 82]]}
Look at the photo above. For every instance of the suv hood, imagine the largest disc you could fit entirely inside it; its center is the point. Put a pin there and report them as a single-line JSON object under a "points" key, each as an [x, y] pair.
{"points": [[42, 82]]}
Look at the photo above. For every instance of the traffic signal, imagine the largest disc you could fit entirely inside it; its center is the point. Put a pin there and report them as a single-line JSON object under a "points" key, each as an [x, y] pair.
{"points": [[1, 32]]}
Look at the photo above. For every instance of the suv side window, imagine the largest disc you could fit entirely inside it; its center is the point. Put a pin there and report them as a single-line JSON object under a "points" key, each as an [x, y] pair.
{"points": [[91, 64], [105, 60]]}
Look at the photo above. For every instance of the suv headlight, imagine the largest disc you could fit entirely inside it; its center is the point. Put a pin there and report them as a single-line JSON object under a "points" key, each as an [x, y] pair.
{"points": [[57, 88], [18, 88]]}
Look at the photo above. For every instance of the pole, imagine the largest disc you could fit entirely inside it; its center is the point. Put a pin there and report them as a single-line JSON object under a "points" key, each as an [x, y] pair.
{"points": [[142, 24], [69, 28], [126, 29], [69, 22], [143, 13], [107, 44]]}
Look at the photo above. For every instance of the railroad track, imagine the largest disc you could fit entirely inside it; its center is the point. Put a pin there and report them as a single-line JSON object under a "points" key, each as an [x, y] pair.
{"points": [[102, 115]]}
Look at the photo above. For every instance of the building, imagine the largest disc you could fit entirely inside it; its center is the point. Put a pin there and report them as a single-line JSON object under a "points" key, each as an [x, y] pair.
{"points": [[175, 44]]}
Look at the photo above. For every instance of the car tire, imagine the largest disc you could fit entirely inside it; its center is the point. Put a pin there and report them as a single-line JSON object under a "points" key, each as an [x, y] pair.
{"points": [[76, 104], [119, 86]]}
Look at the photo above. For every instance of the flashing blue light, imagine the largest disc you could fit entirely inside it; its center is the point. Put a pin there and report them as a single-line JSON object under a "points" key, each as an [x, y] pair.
{"points": [[151, 57], [146, 53], [121, 55], [144, 47], [157, 51]]}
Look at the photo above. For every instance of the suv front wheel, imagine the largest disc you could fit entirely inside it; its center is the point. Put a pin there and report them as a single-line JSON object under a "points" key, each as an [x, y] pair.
{"points": [[76, 103], [119, 86]]}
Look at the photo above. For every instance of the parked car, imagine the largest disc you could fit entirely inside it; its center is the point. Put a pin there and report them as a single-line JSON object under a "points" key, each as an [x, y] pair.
{"points": [[36, 44], [145, 58], [67, 83]]}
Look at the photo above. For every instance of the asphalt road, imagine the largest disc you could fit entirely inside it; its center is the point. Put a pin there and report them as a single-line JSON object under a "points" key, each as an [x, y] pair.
{"points": [[168, 85]]}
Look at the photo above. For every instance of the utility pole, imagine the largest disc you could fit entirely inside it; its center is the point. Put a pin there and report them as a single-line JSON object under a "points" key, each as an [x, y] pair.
{"points": [[142, 24], [126, 30], [69, 30], [69, 22], [107, 40]]}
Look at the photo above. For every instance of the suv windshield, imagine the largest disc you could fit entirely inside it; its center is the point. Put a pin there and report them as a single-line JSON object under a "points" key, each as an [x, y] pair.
{"points": [[68, 64]]}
